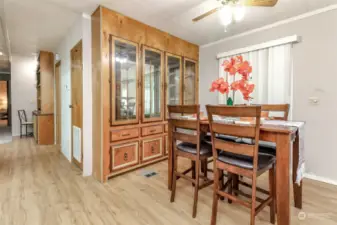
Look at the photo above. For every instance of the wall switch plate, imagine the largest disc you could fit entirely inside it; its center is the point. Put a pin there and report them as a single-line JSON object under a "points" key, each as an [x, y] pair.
{"points": [[314, 100]]}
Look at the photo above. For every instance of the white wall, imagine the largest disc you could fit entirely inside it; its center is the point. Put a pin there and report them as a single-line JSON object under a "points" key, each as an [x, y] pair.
{"points": [[314, 75], [87, 96], [80, 30], [23, 88]]}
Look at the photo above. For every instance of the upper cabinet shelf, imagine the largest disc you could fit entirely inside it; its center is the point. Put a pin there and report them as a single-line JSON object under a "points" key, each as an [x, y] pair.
{"points": [[143, 83], [124, 81], [190, 82], [152, 84], [173, 80]]}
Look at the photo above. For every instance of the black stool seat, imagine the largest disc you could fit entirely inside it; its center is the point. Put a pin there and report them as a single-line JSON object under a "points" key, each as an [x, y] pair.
{"points": [[246, 162], [267, 147], [205, 148]]}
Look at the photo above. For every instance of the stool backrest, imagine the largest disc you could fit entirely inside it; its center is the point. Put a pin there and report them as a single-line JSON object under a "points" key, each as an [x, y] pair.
{"points": [[233, 129], [185, 117]]}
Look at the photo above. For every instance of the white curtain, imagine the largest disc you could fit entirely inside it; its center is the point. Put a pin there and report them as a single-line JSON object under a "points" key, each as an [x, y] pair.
{"points": [[272, 76]]}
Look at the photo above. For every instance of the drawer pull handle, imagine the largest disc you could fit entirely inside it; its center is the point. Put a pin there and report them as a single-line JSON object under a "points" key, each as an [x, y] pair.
{"points": [[125, 156], [125, 134], [153, 130], [152, 149]]}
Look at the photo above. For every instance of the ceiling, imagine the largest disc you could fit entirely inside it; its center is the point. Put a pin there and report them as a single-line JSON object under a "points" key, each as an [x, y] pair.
{"points": [[41, 24]]}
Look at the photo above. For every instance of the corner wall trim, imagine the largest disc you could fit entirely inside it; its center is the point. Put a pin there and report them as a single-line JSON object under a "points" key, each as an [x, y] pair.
{"points": [[273, 43], [321, 179], [276, 24]]}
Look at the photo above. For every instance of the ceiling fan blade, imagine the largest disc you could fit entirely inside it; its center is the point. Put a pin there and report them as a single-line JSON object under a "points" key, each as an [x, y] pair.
{"points": [[266, 3], [206, 14]]}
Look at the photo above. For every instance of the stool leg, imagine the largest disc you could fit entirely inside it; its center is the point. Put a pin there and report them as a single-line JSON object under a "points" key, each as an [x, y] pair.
{"points": [[253, 205], [221, 183], [230, 186], [205, 167], [174, 181], [196, 188], [272, 185], [26, 131], [193, 171], [235, 183], [20, 131], [215, 196]]}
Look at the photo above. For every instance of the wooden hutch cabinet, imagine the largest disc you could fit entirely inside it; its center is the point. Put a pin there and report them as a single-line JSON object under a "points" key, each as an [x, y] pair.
{"points": [[137, 71]]}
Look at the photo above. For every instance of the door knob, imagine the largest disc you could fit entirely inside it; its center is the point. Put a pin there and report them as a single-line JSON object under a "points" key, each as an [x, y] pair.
{"points": [[71, 106]]}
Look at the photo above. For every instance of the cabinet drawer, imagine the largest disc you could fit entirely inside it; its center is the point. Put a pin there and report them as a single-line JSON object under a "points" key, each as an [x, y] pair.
{"points": [[166, 145], [119, 135], [166, 128], [124, 156], [152, 148], [146, 131]]}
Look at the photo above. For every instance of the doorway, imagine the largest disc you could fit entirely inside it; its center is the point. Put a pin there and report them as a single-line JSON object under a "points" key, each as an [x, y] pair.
{"points": [[58, 101], [5, 110], [76, 105]]}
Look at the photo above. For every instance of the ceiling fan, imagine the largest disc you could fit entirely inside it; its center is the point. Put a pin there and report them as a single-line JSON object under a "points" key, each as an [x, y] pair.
{"points": [[265, 3]]}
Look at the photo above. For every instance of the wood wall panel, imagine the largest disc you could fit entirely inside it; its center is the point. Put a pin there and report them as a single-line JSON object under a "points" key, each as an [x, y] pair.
{"points": [[105, 90], [133, 30], [96, 95]]}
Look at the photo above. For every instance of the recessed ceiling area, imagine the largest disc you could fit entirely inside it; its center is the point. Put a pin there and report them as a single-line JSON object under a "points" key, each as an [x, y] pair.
{"points": [[35, 25]]}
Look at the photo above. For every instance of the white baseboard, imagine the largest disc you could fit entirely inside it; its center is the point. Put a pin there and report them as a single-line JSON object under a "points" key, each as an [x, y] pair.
{"points": [[321, 179]]}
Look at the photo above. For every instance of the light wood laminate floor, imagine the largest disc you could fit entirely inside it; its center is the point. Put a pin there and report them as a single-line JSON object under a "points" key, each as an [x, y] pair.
{"points": [[39, 186]]}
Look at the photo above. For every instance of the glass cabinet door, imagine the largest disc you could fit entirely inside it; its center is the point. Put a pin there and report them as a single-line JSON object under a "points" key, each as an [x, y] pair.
{"points": [[124, 81], [152, 84], [173, 80], [190, 82]]}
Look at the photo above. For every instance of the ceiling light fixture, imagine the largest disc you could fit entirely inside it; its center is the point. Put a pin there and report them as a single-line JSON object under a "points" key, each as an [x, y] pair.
{"points": [[1, 53], [239, 13], [225, 15], [231, 11]]}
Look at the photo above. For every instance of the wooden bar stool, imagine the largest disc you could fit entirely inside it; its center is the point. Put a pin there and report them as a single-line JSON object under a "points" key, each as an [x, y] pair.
{"points": [[264, 146], [240, 159], [188, 145]]}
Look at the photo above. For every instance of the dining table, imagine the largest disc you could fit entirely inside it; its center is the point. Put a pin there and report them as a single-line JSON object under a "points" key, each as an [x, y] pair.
{"points": [[284, 137]]}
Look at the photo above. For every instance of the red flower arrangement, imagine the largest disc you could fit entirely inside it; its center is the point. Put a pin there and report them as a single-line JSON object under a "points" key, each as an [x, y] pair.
{"points": [[233, 66]]}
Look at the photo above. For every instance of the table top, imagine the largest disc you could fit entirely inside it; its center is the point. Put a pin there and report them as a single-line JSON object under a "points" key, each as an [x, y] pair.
{"points": [[267, 127]]}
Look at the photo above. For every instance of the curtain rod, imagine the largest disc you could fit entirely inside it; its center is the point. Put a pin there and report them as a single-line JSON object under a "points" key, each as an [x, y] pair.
{"points": [[273, 43]]}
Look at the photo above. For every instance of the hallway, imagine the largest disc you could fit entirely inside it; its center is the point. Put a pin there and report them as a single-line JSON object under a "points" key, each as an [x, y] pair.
{"points": [[5, 134]]}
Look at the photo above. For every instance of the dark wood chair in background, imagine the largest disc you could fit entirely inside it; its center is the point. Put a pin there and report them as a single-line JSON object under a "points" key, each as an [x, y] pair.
{"points": [[270, 147], [283, 108], [240, 159], [189, 145], [266, 111], [24, 122]]}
